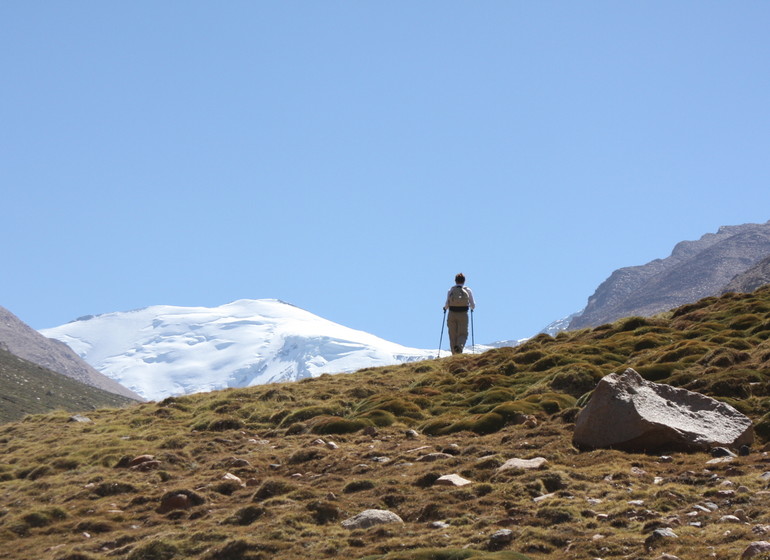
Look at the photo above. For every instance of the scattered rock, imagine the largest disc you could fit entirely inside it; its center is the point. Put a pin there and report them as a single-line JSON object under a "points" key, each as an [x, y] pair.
{"points": [[139, 459], [729, 519], [430, 457], [657, 536], [79, 418], [755, 549], [630, 413], [722, 452], [371, 517], [543, 498], [237, 462], [500, 538], [179, 499], [412, 434], [230, 477], [720, 460], [524, 464], [146, 466], [452, 449], [452, 480]]}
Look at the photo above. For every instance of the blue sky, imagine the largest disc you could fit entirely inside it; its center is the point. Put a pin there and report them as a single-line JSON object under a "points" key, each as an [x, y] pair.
{"points": [[351, 157]]}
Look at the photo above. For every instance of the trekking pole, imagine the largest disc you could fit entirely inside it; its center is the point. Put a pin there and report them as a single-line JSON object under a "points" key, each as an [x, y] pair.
{"points": [[442, 336], [473, 337]]}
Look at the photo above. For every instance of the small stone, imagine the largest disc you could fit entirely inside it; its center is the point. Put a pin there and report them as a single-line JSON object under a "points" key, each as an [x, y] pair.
{"points": [[720, 460], [543, 498], [500, 538], [331, 445], [430, 457], [371, 517], [665, 459], [524, 464], [412, 434], [722, 452], [139, 459], [729, 519], [452, 480], [657, 536], [439, 525], [452, 449], [231, 477], [146, 466], [79, 418]]}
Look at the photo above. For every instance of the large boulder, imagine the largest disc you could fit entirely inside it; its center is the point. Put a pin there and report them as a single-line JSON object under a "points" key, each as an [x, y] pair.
{"points": [[630, 413]]}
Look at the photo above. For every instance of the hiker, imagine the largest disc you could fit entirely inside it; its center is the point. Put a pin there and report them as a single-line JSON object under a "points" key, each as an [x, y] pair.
{"points": [[458, 301]]}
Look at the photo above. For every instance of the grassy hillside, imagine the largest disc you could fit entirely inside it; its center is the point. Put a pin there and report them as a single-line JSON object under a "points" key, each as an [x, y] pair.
{"points": [[309, 455], [31, 389]]}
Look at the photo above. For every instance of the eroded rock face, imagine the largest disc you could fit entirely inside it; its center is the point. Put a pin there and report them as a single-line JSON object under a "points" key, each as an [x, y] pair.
{"points": [[627, 412]]}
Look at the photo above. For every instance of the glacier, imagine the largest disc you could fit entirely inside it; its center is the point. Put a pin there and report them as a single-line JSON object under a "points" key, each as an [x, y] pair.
{"points": [[164, 350]]}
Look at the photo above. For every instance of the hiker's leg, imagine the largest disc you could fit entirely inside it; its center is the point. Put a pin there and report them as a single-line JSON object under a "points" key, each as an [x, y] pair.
{"points": [[451, 324], [462, 330]]}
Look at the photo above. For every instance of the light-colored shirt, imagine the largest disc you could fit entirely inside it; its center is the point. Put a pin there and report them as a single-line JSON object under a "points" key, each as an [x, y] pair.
{"points": [[470, 297]]}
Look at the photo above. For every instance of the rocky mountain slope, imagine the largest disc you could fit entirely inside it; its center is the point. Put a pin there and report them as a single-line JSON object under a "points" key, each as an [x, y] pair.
{"points": [[473, 453], [165, 350], [28, 388], [753, 278], [20, 339], [694, 270]]}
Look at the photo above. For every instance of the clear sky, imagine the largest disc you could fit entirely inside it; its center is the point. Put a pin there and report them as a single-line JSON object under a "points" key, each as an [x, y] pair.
{"points": [[351, 157]]}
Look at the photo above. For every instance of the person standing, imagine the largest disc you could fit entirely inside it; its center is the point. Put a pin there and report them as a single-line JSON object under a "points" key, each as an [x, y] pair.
{"points": [[459, 301]]}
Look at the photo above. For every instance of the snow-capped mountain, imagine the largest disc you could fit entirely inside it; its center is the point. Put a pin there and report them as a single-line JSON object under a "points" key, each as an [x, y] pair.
{"points": [[164, 350]]}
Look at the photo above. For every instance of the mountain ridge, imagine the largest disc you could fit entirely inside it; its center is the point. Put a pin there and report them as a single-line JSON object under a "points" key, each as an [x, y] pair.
{"points": [[20, 339], [694, 270]]}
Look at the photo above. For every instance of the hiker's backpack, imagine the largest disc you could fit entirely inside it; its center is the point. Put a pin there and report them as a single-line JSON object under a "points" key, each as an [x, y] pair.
{"points": [[458, 297]]}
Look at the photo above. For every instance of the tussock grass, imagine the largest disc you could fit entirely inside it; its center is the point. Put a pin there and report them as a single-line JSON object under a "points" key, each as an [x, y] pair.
{"points": [[67, 490]]}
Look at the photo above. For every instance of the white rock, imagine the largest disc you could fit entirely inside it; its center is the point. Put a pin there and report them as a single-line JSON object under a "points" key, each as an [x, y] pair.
{"points": [[371, 517], [452, 480], [524, 464]]}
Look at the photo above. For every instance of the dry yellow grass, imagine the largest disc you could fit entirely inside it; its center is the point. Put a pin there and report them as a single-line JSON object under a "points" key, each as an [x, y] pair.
{"points": [[68, 492]]}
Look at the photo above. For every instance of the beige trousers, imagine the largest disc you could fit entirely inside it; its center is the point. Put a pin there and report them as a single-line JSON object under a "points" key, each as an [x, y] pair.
{"points": [[457, 323]]}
